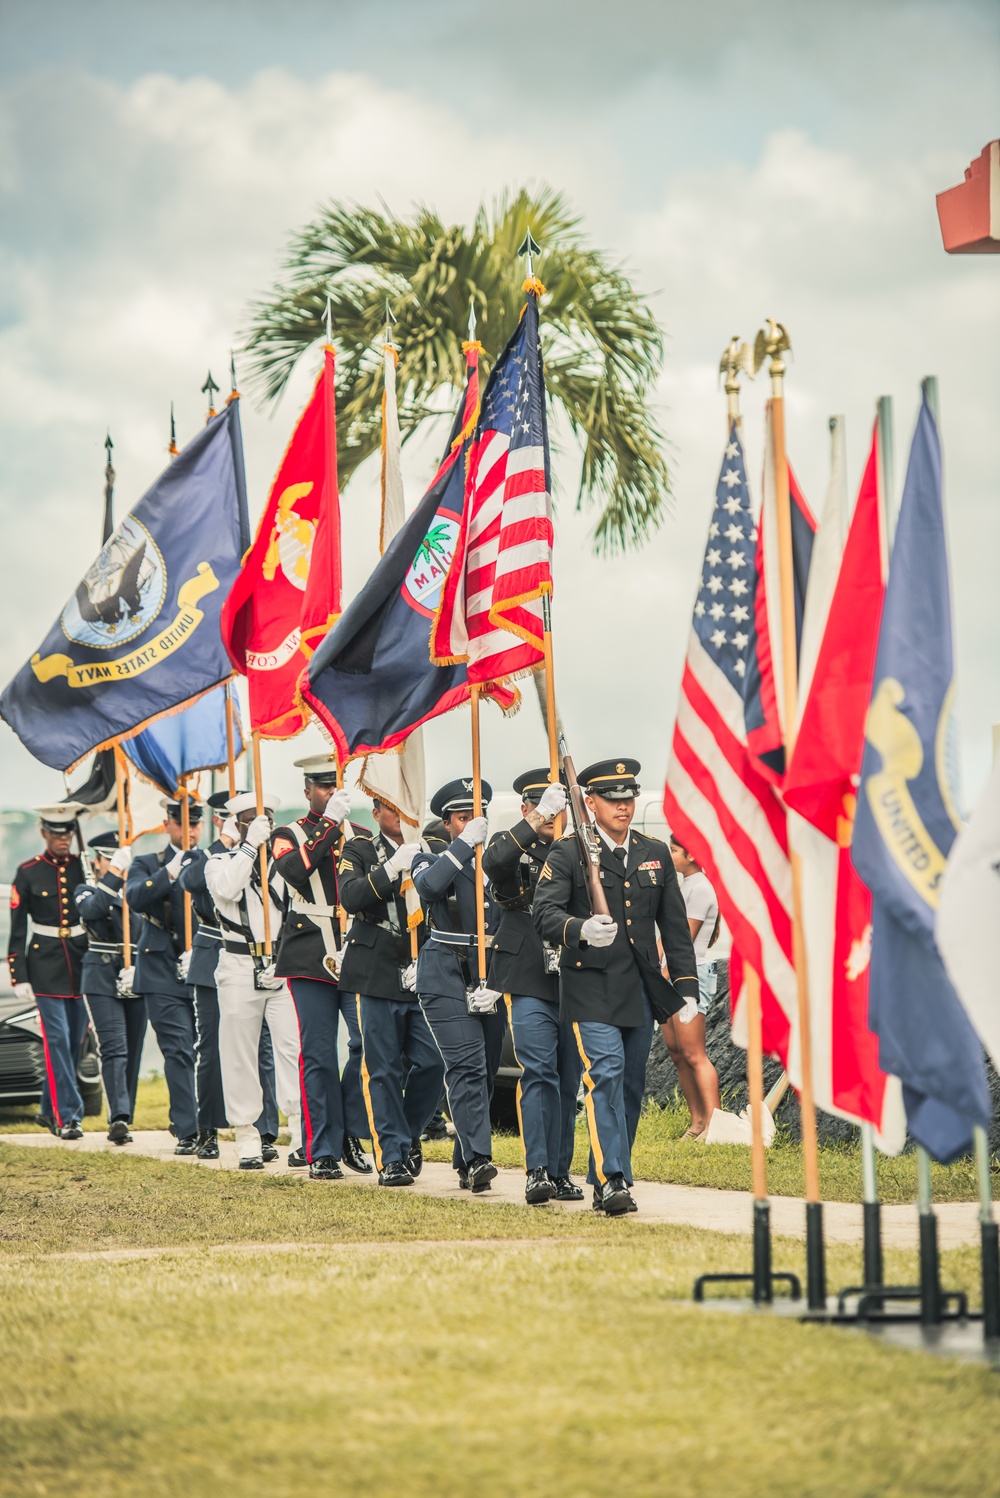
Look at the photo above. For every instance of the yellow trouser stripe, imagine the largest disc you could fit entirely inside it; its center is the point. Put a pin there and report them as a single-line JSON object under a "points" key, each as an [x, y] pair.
{"points": [[588, 1100], [517, 1095], [367, 1089]]}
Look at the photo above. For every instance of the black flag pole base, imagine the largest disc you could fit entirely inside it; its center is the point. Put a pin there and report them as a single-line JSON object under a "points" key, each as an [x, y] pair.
{"points": [[762, 1278], [925, 1302]]}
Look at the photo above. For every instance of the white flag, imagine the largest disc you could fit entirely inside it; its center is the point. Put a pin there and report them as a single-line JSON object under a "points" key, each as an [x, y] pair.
{"points": [[968, 917], [396, 777]]}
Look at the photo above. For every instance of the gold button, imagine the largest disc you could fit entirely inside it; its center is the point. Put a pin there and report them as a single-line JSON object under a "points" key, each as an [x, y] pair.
{"points": [[628, 923], [627, 885], [579, 964], [627, 904]]}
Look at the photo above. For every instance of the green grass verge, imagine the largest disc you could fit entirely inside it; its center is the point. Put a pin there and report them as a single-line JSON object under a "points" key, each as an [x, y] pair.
{"points": [[660, 1155], [563, 1366]]}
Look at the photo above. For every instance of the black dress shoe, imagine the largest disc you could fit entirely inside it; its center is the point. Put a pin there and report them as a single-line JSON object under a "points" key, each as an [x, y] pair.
{"points": [[566, 1190], [597, 1203], [395, 1174], [250, 1162], [436, 1130], [297, 1158], [355, 1157], [326, 1168], [268, 1152], [119, 1132], [44, 1122], [481, 1173], [463, 1178], [187, 1146], [615, 1196], [71, 1131], [539, 1187], [415, 1159], [208, 1145]]}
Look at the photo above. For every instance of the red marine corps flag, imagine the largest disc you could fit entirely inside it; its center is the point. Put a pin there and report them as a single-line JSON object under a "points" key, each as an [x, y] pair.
{"points": [[289, 590]]}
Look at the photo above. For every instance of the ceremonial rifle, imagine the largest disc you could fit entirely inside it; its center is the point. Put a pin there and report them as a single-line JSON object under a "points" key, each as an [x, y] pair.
{"points": [[586, 834]]}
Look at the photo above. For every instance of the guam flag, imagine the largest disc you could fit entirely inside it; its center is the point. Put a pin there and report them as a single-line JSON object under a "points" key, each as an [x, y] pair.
{"points": [[140, 635], [371, 681]]}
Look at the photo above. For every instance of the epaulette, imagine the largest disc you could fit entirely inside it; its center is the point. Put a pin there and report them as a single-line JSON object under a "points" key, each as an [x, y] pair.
{"points": [[29, 861], [358, 831], [437, 844]]}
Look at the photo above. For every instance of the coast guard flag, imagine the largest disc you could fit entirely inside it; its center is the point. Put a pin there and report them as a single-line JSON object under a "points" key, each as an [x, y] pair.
{"points": [[186, 742], [140, 635], [491, 609], [371, 681], [717, 802], [906, 823]]}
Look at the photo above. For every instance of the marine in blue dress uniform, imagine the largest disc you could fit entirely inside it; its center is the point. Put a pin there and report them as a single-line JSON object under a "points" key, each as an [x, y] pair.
{"points": [[611, 982], [152, 889], [525, 972], [119, 1016], [402, 1069], [334, 1119], [465, 1020], [198, 968], [45, 964]]}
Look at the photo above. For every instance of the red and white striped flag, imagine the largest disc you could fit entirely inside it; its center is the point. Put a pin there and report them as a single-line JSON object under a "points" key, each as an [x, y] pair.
{"points": [[717, 802], [491, 609]]}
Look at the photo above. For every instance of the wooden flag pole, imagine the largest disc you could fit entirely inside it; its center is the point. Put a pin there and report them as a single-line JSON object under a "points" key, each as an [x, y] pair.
{"points": [[185, 798], [122, 840], [773, 344], [341, 912], [230, 740], [477, 811], [258, 786]]}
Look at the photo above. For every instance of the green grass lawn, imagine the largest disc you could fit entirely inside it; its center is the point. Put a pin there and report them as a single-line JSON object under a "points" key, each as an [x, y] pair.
{"points": [[660, 1155], [392, 1344]]}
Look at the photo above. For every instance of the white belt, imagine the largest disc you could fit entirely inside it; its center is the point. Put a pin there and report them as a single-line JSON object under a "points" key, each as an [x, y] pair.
{"points": [[308, 908], [57, 930]]}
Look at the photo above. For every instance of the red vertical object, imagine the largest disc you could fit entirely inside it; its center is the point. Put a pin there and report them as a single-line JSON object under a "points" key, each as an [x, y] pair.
{"points": [[969, 214], [288, 592]]}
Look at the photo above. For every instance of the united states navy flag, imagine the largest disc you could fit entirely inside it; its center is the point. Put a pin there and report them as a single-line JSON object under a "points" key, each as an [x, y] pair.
{"points": [[140, 635], [906, 823]]}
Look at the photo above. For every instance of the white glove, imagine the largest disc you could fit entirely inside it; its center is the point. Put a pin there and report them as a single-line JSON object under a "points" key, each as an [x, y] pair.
{"points": [[258, 832], [24, 992], [687, 1014], [598, 931], [121, 860], [483, 1000], [183, 966], [409, 978], [402, 858], [474, 832], [125, 980], [175, 865], [338, 808], [230, 832], [552, 800]]}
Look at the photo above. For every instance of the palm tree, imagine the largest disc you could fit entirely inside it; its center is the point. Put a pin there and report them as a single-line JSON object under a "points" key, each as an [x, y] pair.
{"points": [[601, 345]]}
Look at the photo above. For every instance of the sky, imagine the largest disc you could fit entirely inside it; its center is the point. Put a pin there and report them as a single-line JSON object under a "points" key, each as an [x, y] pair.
{"points": [[741, 162]]}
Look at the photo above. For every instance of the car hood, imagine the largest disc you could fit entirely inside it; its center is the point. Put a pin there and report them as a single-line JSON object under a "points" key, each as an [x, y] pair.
{"points": [[11, 1004]]}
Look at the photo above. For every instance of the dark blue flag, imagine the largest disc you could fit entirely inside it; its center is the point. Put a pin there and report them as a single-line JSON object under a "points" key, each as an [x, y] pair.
{"points": [[184, 743], [907, 822], [140, 635], [371, 681]]}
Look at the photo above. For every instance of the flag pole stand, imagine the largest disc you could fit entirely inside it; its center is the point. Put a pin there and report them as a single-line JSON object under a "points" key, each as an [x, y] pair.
{"points": [[258, 786], [123, 838], [763, 1277], [772, 344], [930, 1259], [477, 811], [872, 1250], [989, 1236]]}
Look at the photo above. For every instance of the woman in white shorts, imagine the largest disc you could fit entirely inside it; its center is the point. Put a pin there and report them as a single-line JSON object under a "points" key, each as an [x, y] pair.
{"points": [[686, 1041]]}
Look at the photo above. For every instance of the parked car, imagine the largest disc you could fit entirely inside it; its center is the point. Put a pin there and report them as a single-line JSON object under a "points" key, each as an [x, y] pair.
{"points": [[22, 1054]]}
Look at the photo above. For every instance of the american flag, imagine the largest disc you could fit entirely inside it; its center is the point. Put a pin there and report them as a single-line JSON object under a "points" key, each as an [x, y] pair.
{"points": [[717, 804], [492, 618]]}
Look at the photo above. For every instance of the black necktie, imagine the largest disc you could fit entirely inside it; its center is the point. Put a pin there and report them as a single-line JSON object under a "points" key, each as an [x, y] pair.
{"points": [[620, 855]]}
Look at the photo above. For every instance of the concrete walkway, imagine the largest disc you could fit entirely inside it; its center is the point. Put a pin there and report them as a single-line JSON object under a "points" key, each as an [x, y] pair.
{"points": [[691, 1206]]}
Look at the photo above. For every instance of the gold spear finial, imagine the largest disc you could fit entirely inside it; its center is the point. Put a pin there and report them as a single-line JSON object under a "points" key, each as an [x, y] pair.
{"points": [[771, 342], [736, 358]]}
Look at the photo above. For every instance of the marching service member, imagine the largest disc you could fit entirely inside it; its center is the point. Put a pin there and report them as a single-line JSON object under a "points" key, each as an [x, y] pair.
{"points": [[305, 855], [610, 968], [527, 973], [465, 1021], [45, 968], [197, 968], [152, 890], [402, 1070], [119, 1015], [249, 990]]}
